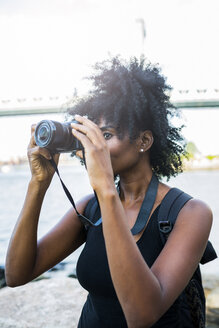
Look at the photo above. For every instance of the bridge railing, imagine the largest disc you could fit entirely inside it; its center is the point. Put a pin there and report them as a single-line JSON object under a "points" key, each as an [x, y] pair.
{"points": [[184, 98]]}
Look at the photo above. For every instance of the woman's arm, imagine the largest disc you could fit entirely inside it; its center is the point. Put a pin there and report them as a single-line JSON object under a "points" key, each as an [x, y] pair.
{"points": [[26, 258], [145, 294]]}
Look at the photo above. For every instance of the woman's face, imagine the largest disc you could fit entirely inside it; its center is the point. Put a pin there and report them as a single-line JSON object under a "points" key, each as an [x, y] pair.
{"points": [[124, 153]]}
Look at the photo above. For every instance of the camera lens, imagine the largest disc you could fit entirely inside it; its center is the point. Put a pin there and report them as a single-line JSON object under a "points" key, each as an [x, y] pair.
{"points": [[43, 133]]}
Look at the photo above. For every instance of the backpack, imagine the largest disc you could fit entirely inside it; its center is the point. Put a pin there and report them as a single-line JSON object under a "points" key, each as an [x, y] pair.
{"points": [[192, 299]]}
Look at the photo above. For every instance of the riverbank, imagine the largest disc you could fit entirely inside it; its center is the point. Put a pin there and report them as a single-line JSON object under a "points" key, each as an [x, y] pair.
{"points": [[57, 302], [197, 163], [211, 288], [202, 163]]}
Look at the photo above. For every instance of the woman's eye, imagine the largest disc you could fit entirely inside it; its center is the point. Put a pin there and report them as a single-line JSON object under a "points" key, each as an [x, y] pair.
{"points": [[107, 135]]}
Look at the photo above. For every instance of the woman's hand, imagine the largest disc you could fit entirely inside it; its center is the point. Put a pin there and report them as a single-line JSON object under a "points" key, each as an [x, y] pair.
{"points": [[41, 169], [97, 154]]}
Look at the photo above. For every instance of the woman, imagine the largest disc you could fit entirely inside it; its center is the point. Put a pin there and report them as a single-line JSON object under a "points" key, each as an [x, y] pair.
{"points": [[131, 280]]}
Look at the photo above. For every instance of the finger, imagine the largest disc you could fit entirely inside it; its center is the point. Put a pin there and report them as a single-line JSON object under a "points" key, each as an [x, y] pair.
{"points": [[90, 129], [32, 142], [79, 154], [37, 151], [85, 121], [88, 132], [56, 158], [45, 153], [86, 142], [33, 127]]}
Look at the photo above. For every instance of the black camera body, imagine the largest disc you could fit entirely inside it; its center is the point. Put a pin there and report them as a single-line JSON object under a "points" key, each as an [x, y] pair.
{"points": [[56, 137]]}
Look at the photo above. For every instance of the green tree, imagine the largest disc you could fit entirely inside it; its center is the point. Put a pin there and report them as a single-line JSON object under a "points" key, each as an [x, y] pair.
{"points": [[192, 150]]}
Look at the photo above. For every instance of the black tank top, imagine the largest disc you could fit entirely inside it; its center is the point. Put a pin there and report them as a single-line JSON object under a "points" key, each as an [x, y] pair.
{"points": [[102, 308]]}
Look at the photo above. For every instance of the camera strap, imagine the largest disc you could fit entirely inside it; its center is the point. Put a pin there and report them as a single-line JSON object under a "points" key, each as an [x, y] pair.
{"points": [[146, 207], [143, 215], [82, 218]]}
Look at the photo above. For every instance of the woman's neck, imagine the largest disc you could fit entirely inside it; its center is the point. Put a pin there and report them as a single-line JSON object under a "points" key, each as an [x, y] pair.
{"points": [[134, 185]]}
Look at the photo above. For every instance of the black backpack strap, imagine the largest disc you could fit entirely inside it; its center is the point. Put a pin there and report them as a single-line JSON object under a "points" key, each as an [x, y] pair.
{"points": [[167, 203], [177, 206], [168, 211], [170, 207]]}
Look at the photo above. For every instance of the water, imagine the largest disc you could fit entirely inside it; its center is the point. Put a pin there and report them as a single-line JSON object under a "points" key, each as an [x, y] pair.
{"points": [[13, 184]]}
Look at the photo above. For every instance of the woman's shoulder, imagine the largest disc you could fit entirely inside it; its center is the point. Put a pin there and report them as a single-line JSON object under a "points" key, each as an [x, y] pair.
{"points": [[198, 210], [85, 200], [80, 206], [193, 226]]}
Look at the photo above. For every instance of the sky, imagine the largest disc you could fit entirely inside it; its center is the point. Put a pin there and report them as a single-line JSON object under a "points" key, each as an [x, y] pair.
{"points": [[49, 46]]}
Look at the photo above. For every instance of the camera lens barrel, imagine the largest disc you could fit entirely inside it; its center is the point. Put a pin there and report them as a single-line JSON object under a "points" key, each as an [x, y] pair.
{"points": [[56, 136]]}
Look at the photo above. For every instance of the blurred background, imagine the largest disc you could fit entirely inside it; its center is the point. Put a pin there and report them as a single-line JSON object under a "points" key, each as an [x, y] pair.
{"points": [[48, 46]]}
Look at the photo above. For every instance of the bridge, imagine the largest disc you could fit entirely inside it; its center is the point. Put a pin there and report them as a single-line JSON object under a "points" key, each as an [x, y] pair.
{"points": [[184, 98]]}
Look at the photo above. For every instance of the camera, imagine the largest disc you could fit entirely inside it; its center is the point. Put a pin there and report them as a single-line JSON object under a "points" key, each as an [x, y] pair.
{"points": [[56, 137]]}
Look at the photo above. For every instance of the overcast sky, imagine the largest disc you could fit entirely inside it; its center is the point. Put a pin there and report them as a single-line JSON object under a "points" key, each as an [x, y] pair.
{"points": [[47, 46]]}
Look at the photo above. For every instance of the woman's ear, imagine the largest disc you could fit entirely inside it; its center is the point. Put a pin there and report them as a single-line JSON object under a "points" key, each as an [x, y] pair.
{"points": [[145, 141]]}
